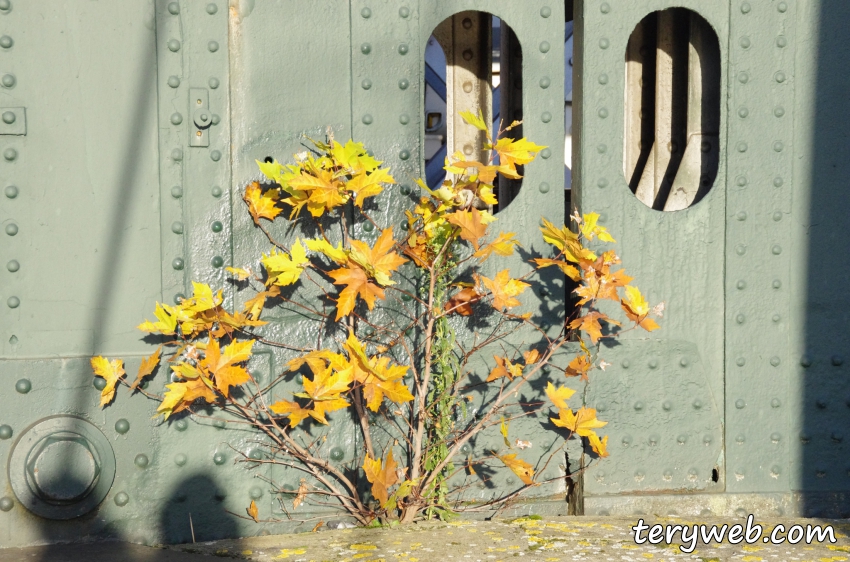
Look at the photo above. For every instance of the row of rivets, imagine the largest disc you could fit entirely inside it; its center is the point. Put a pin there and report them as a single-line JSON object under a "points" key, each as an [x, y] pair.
{"points": [[10, 154]]}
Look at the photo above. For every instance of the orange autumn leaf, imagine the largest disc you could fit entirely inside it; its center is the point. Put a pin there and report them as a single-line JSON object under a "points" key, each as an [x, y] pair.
{"points": [[300, 494], [356, 284], [637, 309], [504, 368], [503, 245], [579, 366], [261, 205], [382, 476], [519, 467], [569, 270], [472, 229], [589, 324], [461, 302], [147, 367], [531, 356], [181, 395], [504, 289], [221, 364], [253, 511], [583, 422], [111, 372], [599, 446], [294, 411]]}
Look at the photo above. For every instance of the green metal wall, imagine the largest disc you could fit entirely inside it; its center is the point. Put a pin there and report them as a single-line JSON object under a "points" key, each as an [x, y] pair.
{"points": [[108, 207]]}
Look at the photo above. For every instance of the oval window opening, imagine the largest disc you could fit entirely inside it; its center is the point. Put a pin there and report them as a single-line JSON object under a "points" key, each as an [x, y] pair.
{"points": [[672, 113], [473, 62]]}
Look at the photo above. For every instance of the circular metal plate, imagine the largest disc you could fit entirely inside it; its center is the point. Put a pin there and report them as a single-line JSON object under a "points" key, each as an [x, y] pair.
{"points": [[61, 467]]}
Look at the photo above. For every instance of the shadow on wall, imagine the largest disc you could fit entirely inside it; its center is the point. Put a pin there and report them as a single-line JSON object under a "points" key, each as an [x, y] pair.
{"points": [[824, 472], [197, 496]]}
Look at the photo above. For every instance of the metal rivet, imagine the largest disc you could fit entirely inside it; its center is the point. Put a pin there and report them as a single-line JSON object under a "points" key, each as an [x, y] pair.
{"points": [[837, 360], [5, 432], [11, 191], [806, 361], [545, 82], [545, 12], [5, 5], [367, 119], [779, 77], [779, 111], [776, 250], [121, 499], [216, 119], [181, 425], [467, 54], [173, 8], [176, 118], [543, 187], [745, 8], [741, 216], [8, 81], [743, 77], [781, 42], [177, 155], [601, 149], [654, 439], [216, 226], [740, 439], [405, 190], [368, 226], [627, 440], [13, 266], [777, 216], [625, 364], [821, 404], [697, 404], [740, 249], [743, 112], [404, 12], [180, 459], [337, 454], [404, 154], [256, 492], [366, 84], [219, 458], [777, 182], [603, 44], [177, 263], [217, 261], [173, 45], [365, 13], [778, 146], [603, 79], [214, 83], [639, 475], [740, 319], [177, 227], [683, 362], [653, 363], [215, 155], [403, 119], [638, 406], [212, 46], [13, 340], [99, 383], [365, 48], [667, 475], [707, 439], [740, 361], [744, 42], [403, 49], [544, 46], [740, 404], [775, 437], [13, 302], [122, 426], [403, 84], [212, 9], [667, 405], [216, 192], [468, 149], [546, 117], [11, 229], [545, 153], [177, 192], [605, 8], [741, 284], [777, 283], [782, 7], [8, 117], [836, 437], [742, 146], [10, 154], [141, 460], [173, 81]]}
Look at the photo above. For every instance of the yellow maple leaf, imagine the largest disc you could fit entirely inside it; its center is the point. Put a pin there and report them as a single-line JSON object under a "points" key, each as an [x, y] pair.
{"points": [[504, 368], [285, 269], [583, 422], [382, 476], [181, 395], [558, 237], [238, 272], [111, 372], [569, 270], [336, 253], [377, 261], [599, 446], [589, 323], [503, 245], [637, 309], [559, 396], [166, 323], [519, 467], [146, 367], [368, 185], [504, 289], [261, 204], [296, 413], [472, 228], [513, 153], [590, 228]]}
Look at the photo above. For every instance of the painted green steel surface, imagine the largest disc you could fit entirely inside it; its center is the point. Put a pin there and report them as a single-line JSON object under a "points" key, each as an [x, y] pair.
{"points": [[112, 201]]}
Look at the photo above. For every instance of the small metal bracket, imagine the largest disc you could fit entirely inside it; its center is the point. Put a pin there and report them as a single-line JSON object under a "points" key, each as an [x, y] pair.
{"points": [[13, 121], [202, 117]]}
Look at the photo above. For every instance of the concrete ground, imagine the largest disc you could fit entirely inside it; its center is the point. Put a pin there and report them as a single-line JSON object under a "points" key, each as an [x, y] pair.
{"points": [[549, 539]]}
